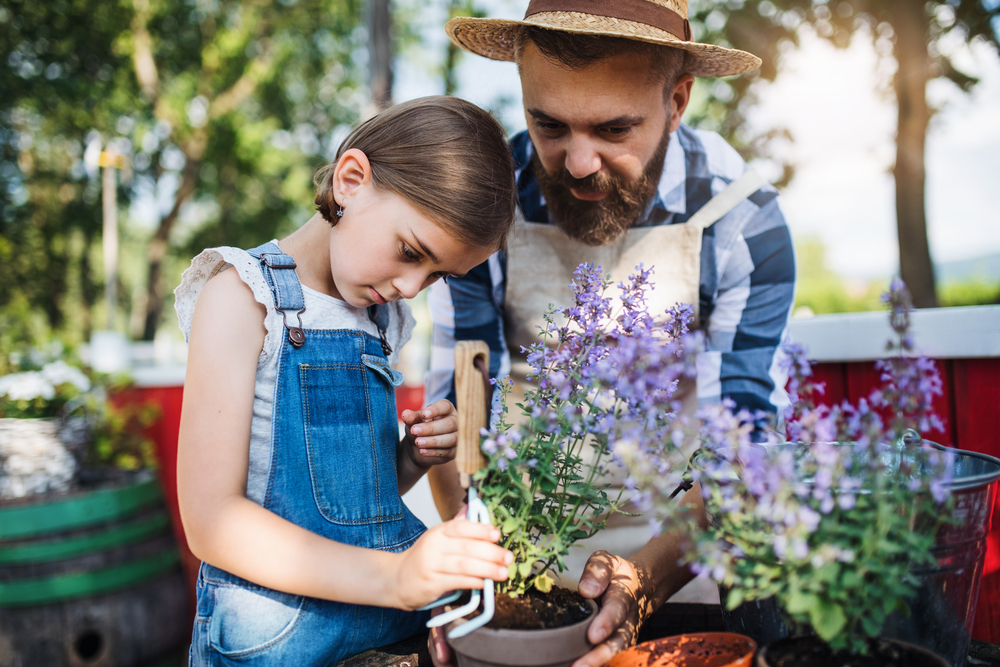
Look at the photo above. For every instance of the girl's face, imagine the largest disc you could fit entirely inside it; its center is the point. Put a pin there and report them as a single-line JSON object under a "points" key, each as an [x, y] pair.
{"points": [[383, 249]]}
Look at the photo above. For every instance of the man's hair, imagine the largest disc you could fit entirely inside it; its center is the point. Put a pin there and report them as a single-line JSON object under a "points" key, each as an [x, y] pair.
{"points": [[446, 157], [579, 51]]}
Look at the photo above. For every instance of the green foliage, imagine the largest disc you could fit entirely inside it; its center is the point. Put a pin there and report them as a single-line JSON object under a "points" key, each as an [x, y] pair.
{"points": [[975, 292], [120, 437]]}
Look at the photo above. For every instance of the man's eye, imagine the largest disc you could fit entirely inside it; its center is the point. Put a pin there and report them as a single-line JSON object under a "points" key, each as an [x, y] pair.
{"points": [[548, 127], [617, 131]]}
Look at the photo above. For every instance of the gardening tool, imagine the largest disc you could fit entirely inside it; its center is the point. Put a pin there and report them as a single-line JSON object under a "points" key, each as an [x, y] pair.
{"points": [[472, 395]]}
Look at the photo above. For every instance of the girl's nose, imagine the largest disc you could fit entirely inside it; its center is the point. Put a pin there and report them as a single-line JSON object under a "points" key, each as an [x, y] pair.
{"points": [[582, 158], [409, 285]]}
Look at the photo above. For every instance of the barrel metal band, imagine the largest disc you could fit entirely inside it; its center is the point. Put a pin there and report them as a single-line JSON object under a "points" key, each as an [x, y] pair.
{"points": [[83, 584], [89, 509], [118, 535]]}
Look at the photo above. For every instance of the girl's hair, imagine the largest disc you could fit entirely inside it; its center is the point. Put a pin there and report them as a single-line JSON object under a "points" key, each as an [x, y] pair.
{"points": [[446, 157]]}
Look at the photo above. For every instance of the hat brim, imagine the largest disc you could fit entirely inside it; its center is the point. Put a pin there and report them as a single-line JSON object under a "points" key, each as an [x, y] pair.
{"points": [[494, 39]]}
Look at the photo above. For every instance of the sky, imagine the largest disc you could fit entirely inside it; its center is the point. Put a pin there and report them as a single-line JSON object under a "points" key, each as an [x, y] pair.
{"points": [[843, 146]]}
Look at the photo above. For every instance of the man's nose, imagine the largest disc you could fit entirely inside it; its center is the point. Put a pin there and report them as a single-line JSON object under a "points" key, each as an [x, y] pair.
{"points": [[582, 158]]}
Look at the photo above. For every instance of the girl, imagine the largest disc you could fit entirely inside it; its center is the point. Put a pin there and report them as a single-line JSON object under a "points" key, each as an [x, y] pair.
{"points": [[290, 465]]}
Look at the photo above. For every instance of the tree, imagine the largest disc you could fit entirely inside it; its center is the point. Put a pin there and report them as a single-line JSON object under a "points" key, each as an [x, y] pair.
{"points": [[224, 110], [239, 74], [915, 30]]}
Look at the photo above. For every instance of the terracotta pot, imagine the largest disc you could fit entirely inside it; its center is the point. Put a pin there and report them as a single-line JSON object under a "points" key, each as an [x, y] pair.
{"points": [[556, 647], [811, 651], [702, 649]]}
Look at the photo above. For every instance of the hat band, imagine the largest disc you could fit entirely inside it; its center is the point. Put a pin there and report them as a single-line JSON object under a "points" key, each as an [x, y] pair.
{"points": [[639, 11]]}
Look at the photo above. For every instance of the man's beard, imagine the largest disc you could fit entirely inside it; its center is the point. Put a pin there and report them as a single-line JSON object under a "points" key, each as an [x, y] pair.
{"points": [[599, 222]]}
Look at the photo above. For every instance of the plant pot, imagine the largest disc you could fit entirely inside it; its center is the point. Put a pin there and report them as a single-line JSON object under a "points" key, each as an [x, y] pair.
{"points": [[811, 651], [702, 649], [555, 647]]}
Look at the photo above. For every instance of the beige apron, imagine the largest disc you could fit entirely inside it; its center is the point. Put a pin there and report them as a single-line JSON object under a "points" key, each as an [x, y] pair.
{"points": [[540, 264]]}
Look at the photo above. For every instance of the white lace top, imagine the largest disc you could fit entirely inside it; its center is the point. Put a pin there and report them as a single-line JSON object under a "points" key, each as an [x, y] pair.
{"points": [[322, 312]]}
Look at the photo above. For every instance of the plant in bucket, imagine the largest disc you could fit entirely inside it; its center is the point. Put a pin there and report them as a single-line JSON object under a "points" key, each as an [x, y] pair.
{"points": [[834, 525], [57, 427], [605, 372]]}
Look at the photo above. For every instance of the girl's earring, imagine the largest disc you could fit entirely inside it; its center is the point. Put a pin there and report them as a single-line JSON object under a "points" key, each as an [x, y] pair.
{"points": [[340, 211]]}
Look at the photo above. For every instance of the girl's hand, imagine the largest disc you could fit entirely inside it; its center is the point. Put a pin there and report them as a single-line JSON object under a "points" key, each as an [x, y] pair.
{"points": [[431, 434], [457, 554]]}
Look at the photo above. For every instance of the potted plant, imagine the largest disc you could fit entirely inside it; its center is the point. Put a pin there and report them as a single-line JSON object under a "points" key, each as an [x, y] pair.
{"points": [[830, 524], [57, 425], [33, 457], [606, 373]]}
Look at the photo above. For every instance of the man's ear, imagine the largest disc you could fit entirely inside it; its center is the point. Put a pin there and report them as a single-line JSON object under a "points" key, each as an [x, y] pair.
{"points": [[353, 171], [679, 98]]}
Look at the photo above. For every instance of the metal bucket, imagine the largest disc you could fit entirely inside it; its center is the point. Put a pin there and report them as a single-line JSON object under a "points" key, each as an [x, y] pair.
{"points": [[942, 612]]}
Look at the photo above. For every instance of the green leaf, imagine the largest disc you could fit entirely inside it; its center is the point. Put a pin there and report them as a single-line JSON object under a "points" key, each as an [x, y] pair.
{"points": [[734, 598], [543, 583], [871, 626], [524, 569], [828, 620], [801, 603]]}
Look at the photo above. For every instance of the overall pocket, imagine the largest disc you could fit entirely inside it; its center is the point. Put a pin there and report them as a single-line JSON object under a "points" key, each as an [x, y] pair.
{"points": [[247, 620], [351, 439]]}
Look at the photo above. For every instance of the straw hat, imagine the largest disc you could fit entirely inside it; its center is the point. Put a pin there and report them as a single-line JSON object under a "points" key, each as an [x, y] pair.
{"points": [[655, 21]]}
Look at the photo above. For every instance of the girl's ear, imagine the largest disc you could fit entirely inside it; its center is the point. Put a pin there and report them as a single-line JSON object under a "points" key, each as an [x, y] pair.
{"points": [[353, 172]]}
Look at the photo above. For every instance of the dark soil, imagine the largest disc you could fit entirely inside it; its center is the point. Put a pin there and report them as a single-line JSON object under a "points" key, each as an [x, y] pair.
{"points": [[534, 610], [813, 652]]}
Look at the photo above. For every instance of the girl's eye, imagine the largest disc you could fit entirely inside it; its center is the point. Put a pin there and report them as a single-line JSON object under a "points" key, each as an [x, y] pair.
{"points": [[409, 254]]}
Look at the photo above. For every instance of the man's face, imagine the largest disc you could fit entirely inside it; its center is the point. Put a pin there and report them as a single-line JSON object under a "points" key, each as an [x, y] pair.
{"points": [[600, 135]]}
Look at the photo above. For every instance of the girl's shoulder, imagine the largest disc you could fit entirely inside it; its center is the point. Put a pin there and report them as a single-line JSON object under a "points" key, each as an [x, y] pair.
{"points": [[208, 264]]}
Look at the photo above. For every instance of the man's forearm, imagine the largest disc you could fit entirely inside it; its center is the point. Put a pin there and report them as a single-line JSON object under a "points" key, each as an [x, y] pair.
{"points": [[659, 562]]}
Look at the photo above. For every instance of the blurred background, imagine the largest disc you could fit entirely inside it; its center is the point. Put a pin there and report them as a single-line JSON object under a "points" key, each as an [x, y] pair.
{"points": [[221, 110]]}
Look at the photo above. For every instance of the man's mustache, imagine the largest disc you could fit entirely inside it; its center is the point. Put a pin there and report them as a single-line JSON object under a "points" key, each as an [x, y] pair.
{"points": [[596, 182]]}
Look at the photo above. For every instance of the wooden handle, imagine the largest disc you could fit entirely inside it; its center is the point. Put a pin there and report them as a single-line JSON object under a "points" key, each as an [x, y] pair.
{"points": [[470, 394]]}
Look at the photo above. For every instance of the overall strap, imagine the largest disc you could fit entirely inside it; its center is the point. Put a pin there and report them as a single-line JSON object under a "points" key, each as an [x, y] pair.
{"points": [[727, 200], [279, 272]]}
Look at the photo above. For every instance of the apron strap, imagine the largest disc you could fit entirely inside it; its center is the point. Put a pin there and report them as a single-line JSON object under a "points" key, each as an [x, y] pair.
{"points": [[728, 199]]}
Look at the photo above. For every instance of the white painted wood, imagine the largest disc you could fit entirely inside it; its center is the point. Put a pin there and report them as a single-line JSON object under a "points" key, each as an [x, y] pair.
{"points": [[940, 333]]}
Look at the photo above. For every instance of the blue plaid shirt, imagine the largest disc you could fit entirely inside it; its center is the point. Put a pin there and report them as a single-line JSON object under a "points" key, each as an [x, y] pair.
{"points": [[746, 289]]}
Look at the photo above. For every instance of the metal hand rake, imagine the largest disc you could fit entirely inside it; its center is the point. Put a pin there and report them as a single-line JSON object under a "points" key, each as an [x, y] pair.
{"points": [[472, 392]]}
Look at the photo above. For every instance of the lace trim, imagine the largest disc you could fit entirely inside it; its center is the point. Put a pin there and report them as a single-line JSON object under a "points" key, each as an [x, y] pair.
{"points": [[210, 263]]}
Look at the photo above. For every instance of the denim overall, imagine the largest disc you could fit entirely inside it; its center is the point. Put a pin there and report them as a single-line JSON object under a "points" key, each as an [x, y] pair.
{"points": [[332, 471]]}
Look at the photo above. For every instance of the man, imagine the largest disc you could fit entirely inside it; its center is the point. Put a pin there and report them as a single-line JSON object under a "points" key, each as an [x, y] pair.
{"points": [[607, 173]]}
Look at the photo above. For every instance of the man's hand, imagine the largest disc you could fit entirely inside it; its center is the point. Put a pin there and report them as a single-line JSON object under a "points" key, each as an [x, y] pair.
{"points": [[437, 645], [625, 602], [431, 434]]}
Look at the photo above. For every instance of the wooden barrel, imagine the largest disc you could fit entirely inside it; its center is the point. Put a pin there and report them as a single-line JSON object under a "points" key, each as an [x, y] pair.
{"points": [[91, 579]]}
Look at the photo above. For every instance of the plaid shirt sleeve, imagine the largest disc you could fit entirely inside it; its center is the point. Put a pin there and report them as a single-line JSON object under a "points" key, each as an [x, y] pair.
{"points": [[466, 308], [747, 285]]}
